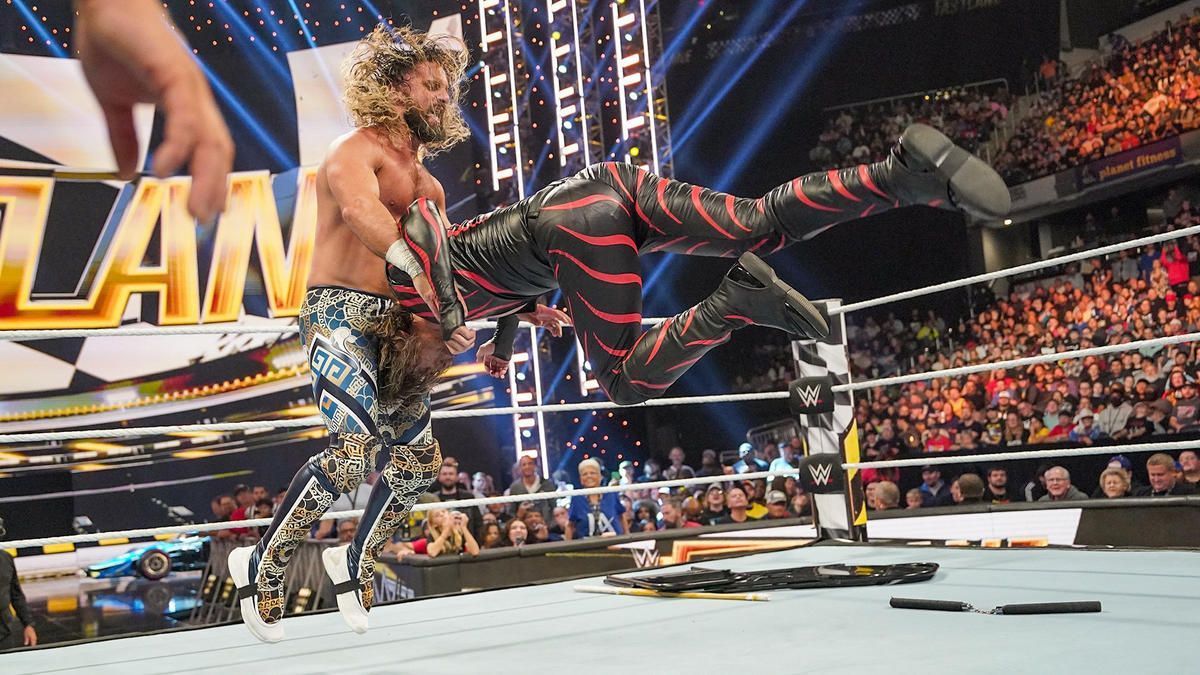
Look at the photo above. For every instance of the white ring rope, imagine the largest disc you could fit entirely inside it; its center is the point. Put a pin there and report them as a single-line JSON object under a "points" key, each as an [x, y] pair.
{"points": [[315, 421], [1023, 361], [236, 329], [434, 506], [1086, 451], [637, 487], [1019, 269]]}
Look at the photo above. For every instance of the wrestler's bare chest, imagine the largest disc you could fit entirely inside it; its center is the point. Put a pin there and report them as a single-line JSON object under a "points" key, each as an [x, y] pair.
{"points": [[402, 181]]}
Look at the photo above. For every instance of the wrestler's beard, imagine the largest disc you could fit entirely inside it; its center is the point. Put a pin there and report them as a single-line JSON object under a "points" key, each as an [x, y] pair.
{"points": [[422, 128]]}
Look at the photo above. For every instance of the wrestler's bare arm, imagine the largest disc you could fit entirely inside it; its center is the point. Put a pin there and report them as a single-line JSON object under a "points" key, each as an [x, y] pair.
{"points": [[350, 170]]}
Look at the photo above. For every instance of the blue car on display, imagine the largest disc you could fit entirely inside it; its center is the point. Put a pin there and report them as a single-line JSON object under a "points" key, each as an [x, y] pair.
{"points": [[156, 560]]}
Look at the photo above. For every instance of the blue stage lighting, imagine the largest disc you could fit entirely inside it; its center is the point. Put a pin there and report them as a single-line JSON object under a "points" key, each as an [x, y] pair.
{"points": [[44, 36], [721, 73], [711, 102], [280, 75], [761, 128], [234, 106]]}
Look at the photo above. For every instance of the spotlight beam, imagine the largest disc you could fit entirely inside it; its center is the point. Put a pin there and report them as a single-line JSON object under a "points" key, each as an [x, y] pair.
{"points": [[762, 128]]}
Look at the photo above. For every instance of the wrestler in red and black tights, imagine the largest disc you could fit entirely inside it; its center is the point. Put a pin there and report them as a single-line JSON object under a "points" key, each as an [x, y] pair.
{"points": [[583, 235]]}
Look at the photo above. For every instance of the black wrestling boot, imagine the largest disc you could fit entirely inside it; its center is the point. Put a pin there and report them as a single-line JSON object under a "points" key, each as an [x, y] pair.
{"points": [[926, 166], [750, 294], [751, 289], [924, 169]]}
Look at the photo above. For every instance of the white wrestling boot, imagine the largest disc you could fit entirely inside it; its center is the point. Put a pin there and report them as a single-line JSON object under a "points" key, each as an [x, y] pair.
{"points": [[247, 590], [345, 588]]}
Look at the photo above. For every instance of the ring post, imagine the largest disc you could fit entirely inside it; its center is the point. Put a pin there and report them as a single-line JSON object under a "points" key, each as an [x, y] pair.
{"points": [[830, 435]]}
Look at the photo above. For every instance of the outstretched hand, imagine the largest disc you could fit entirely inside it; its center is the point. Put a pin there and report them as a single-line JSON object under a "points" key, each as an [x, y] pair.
{"points": [[547, 317], [496, 367], [130, 55]]}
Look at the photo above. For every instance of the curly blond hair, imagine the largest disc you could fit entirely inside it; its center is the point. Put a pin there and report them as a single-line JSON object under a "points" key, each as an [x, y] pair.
{"points": [[403, 376], [380, 63]]}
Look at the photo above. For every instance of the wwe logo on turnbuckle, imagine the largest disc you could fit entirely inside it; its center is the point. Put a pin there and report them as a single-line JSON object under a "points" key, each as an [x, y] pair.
{"points": [[810, 396], [821, 474]]}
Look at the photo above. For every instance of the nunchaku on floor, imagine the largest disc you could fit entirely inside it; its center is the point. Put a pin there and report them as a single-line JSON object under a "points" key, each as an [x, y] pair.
{"points": [[712, 584]]}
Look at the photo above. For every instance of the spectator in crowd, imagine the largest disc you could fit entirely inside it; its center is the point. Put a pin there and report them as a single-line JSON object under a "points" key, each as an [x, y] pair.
{"points": [[492, 536], [673, 516], [345, 530], [560, 524], [259, 492], [887, 496], [1059, 487], [645, 516], [777, 506], [1187, 407], [264, 508], [530, 481], [516, 533], [447, 488], [1036, 431], [1114, 484], [710, 464], [1035, 489], [1190, 464], [594, 515], [939, 439], [1115, 415], [997, 490], [446, 533], [1163, 475], [626, 474], [1085, 431], [788, 452], [714, 505], [934, 490], [800, 505], [737, 503], [244, 497], [500, 513], [539, 531], [756, 494], [222, 507], [748, 460], [967, 489], [651, 471], [914, 499], [677, 470], [481, 484]]}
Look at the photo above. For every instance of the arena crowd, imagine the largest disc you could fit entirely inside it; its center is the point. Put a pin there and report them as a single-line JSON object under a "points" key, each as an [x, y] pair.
{"points": [[1136, 94]]}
